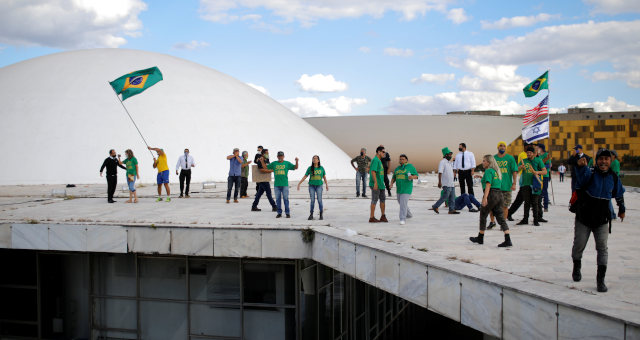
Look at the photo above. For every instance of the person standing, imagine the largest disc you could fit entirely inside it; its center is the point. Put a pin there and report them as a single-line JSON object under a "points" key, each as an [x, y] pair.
{"points": [[531, 166], [596, 189], [464, 167], [492, 201], [185, 163], [546, 159], [362, 170], [163, 173], [244, 181], [280, 171], [263, 187], [132, 174], [386, 160], [445, 181], [376, 183], [235, 173], [404, 175], [509, 174], [561, 170], [317, 173], [573, 162], [111, 163], [615, 163], [255, 161], [519, 198]]}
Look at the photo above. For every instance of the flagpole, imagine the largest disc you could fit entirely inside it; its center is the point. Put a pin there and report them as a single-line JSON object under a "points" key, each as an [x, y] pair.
{"points": [[553, 196], [134, 123]]}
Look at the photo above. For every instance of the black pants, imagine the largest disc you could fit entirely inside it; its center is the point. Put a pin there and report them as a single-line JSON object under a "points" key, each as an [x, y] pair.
{"points": [[231, 181], [532, 202], [561, 177], [112, 181], [464, 177], [264, 188], [244, 184], [494, 205], [516, 203], [386, 180], [185, 174]]}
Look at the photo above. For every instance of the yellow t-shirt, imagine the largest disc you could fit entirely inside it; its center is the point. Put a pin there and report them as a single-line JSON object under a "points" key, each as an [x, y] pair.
{"points": [[521, 156], [162, 163]]}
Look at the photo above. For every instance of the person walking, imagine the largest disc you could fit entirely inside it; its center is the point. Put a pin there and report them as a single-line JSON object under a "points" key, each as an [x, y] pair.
{"points": [[546, 159], [531, 166], [111, 163], [163, 173], [362, 170], [561, 170], [263, 187], [185, 163], [573, 163], [317, 173], [280, 171], [132, 174], [376, 183], [386, 160], [404, 174], [595, 188], [464, 168], [244, 181], [519, 197], [445, 181], [509, 174], [492, 201], [235, 173]]}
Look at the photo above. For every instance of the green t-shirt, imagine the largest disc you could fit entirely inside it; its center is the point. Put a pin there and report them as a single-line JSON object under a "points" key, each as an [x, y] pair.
{"points": [[507, 166], [131, 163], [245, 170], [547, 163], [376, 165], [315, 178], [615, 166], [491, 176], [401, 174], [280, 171], [527, 172]]}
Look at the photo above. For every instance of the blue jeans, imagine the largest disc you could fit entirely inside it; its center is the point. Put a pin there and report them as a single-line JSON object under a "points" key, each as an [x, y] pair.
{"points": [[448, 194], [545, 192], [282, 193], [231, 180], [361, 177], [465, 200], [132, 184], [263, 188], [315, 190]]}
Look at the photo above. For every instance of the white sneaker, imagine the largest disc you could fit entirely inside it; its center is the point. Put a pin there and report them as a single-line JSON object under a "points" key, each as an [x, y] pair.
{"points": [[402, 222]]}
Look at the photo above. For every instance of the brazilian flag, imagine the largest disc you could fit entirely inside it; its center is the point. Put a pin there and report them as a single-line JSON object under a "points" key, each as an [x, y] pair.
{"points": [[136, 82], [535, 86]]}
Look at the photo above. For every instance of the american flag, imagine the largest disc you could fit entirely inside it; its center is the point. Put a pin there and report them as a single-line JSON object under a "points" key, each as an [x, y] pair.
{"points": [[540, 110]]}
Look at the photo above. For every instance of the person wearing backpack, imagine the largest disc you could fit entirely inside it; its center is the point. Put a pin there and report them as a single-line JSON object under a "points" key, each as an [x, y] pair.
{"points": [[595, 187]]}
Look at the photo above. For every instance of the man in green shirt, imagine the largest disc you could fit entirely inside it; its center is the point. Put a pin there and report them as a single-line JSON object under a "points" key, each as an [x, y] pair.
{"points": [[376, 182], [404, 175], [509, 170], [532, 168], [280, 171]]}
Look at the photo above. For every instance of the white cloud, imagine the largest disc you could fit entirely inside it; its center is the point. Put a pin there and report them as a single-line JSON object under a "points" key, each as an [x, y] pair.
{"points": [[364, 49], [259, 88], [309, 12], [457, 15], [632, 77], [314, 107], [70, 23], [398, 52], [192, 45], [614, 6], [611, 105], [442, 103], [434, 78], [320, 83], [519, 21]]}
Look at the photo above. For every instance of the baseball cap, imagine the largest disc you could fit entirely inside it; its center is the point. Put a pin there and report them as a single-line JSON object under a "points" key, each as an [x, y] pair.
{"points": [[502, 143], [280, 153], [577, 147]]}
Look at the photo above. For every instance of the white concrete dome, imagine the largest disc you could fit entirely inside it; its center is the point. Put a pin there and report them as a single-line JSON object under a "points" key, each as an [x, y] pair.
{"points": [[60, 117]]}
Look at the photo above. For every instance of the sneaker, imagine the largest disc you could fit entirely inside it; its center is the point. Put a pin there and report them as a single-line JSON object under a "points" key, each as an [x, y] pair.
{"points": [[535, 223], [111, 201], [159, 199], [542, 220], [227, 201], [180, 196], [473, 210], [274, 209], [435, 209], [358, 195], [310, 217], [255, 209], [523, 222], [453, 212], [402, 222], [187, 196], [546, 210], [235, 201], [491, 225], [279, 215], [288, 216], [383, 218], [373, 220], [364, 196], [168, 199]]}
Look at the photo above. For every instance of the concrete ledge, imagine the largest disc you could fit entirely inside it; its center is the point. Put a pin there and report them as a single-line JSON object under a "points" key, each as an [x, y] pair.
{"points": [[284, 244], [237, 243], [195, 242], [5, 235], [481, 306], [444, 293], [150, 241], [577, 324], [527, 317]]}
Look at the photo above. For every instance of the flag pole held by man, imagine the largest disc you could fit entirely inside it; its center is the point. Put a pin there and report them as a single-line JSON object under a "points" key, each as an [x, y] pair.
{"points": [[541, 83], [136, 82]]}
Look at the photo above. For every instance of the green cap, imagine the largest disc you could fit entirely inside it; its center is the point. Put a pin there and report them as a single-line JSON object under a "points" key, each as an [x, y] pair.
{"points": [[445, 151]]}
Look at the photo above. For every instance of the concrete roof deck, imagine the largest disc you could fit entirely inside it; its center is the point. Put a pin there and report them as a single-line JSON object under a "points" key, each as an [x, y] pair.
{"points": [[541, 254]]}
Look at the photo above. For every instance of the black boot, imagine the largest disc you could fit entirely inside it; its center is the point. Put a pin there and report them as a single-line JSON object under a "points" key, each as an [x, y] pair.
{"points": [[507, 241], [321, 215], [577, 276], [523, 222], [478, 240], [509, 218], [602, 270], [310, 217]]}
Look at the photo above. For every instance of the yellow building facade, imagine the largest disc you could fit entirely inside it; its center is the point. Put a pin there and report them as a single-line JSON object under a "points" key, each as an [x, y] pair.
{"points": [[593, 130]]}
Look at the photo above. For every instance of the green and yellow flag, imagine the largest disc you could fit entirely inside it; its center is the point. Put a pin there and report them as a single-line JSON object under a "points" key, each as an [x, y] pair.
{"points": [[136, 82], [535, 86]]}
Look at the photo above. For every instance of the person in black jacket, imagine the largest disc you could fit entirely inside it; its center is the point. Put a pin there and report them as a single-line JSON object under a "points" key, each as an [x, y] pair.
{"points": [[385, 165], [573, 162], [111, 163]]}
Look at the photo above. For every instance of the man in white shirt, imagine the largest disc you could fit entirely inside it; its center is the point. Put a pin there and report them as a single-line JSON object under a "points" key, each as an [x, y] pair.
{"points": [[445, 181], [185, 163], [464, 167], [561, 170]]}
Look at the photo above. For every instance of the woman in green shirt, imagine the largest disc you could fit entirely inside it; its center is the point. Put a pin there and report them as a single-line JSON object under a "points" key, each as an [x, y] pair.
{"points": [[317, 173], [492, 201], [132, 173]]}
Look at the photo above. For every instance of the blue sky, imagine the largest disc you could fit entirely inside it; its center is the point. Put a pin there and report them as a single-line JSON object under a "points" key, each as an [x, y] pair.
{"points": [[357, 57]]}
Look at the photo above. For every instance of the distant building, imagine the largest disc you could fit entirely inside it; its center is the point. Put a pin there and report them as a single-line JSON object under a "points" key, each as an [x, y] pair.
{"points": [[476, 113]]}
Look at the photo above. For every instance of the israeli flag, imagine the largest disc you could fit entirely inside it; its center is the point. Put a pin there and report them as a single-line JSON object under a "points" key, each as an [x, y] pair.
{"points": [[537, 131]]}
